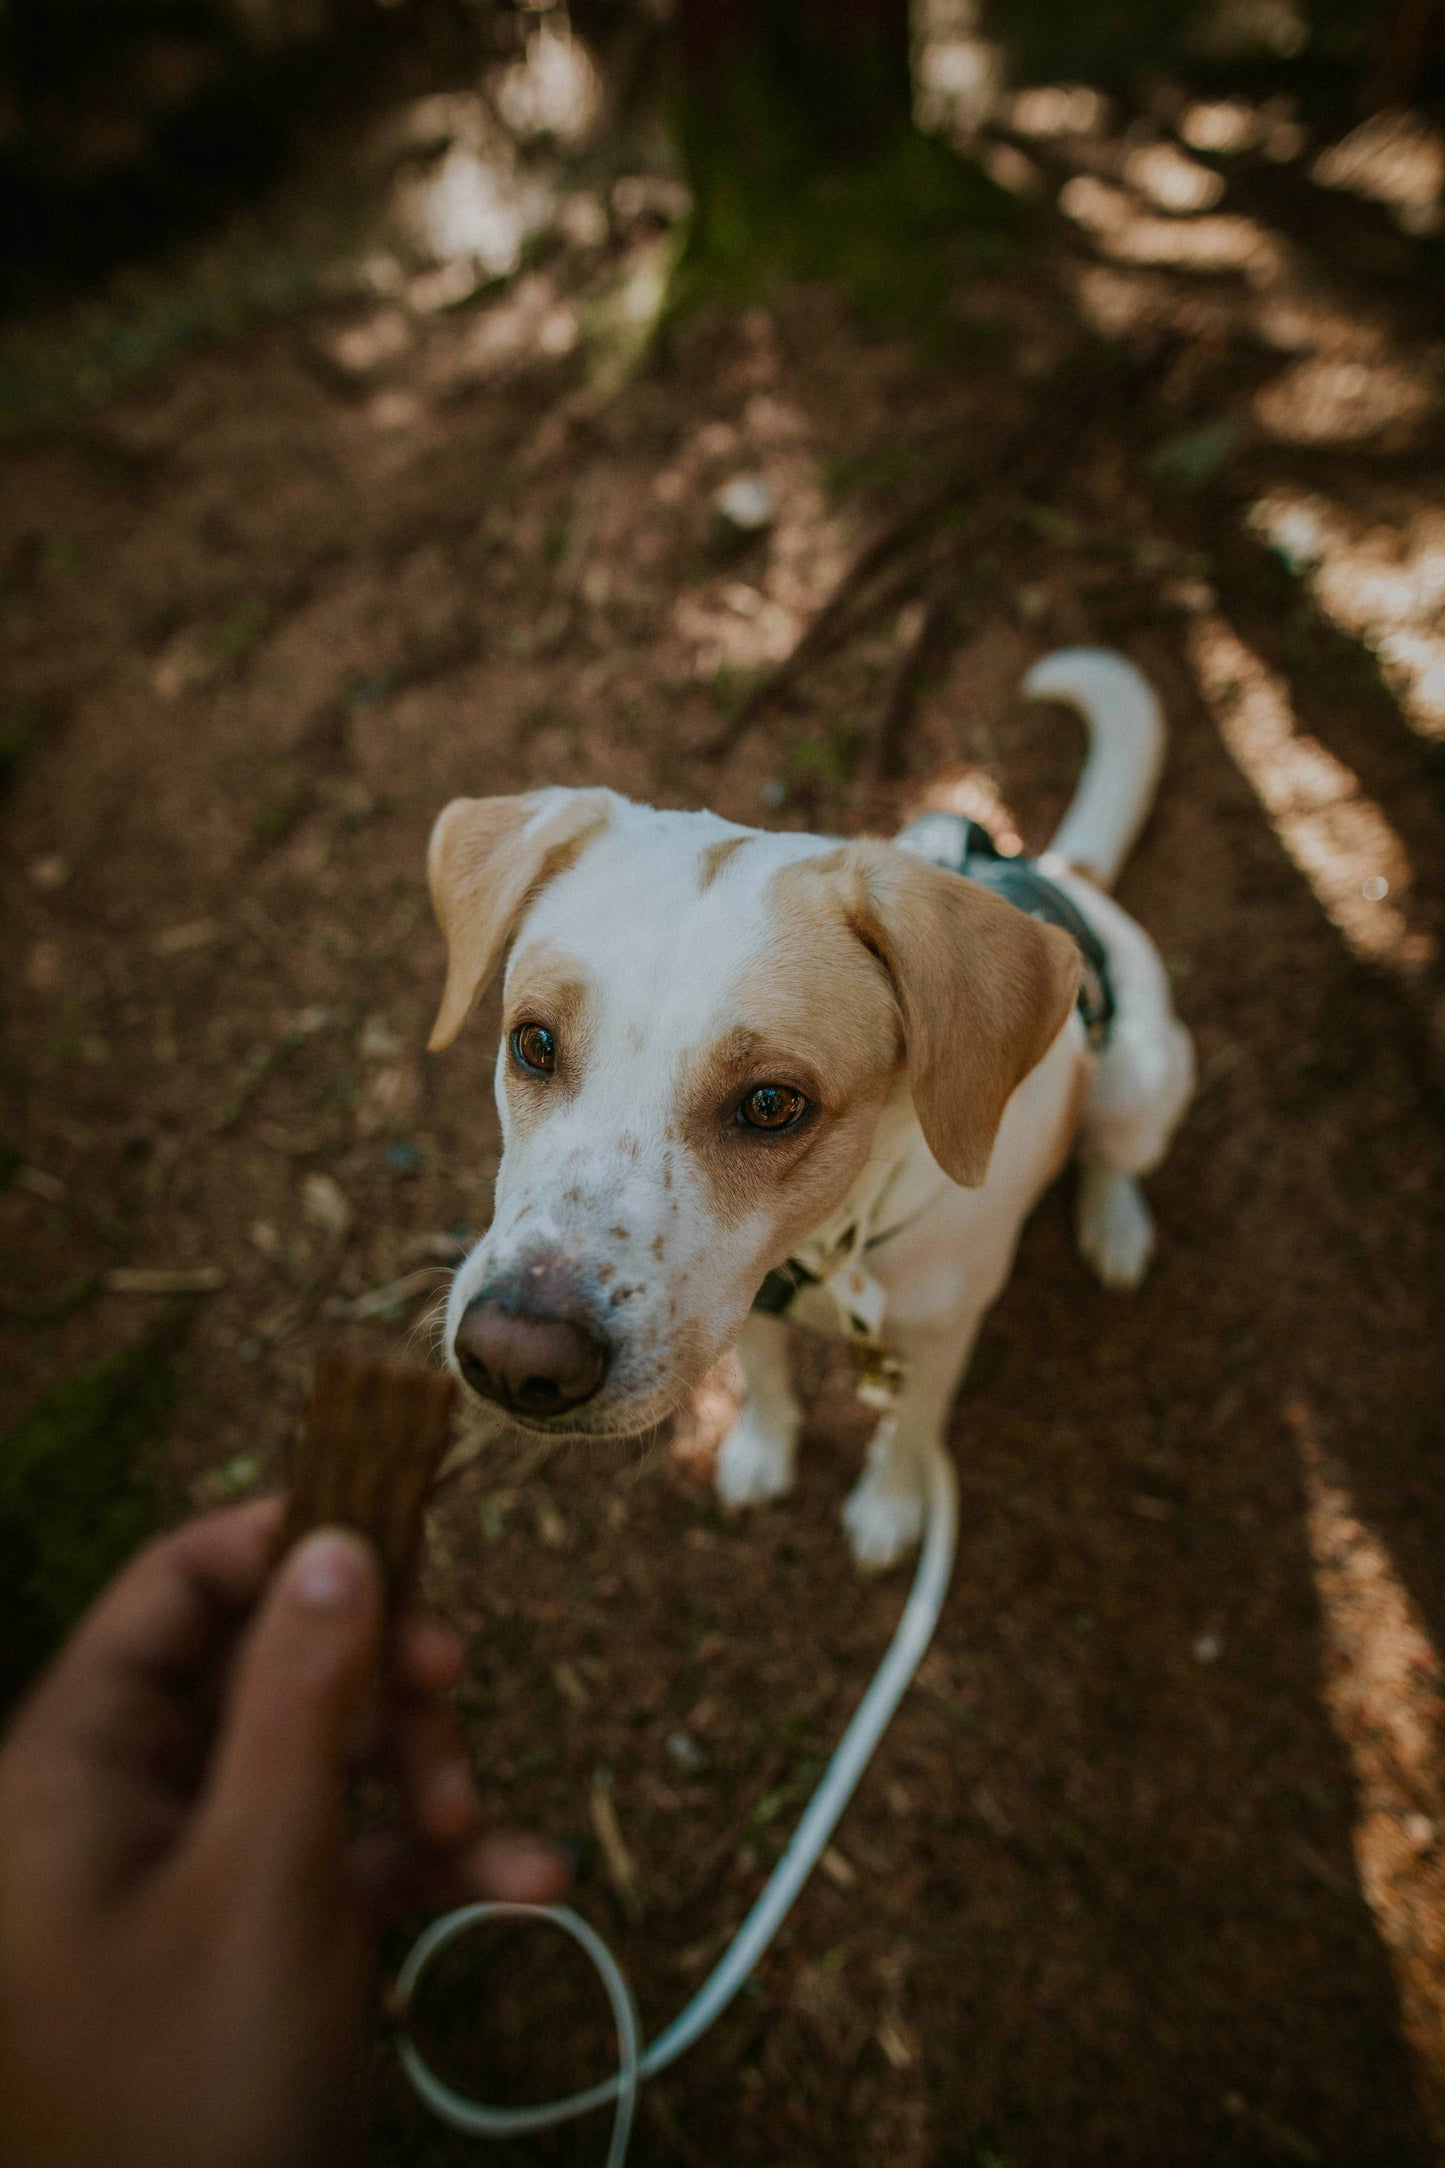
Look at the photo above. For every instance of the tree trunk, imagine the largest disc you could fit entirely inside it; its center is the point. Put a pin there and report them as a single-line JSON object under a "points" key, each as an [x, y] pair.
{"points": [[839, 67]]}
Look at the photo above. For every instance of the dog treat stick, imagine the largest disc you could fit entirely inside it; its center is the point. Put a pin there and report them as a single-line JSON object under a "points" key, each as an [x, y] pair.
{"points": [[374, 1439]]}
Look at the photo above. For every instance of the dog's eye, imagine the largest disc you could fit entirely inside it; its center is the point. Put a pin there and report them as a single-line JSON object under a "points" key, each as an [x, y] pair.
{"points": [[772, 1106], [535, 1048]]}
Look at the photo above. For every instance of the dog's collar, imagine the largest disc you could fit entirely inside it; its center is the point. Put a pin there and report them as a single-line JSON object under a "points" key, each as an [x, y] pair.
{"points": [[965, 847], [879, 1207]]}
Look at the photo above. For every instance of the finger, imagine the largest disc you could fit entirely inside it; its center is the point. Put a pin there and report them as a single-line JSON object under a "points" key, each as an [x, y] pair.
{"points": [[433, 1773], [275, 1796], [519, 1869], [156, 1624], [427, 1655], [393, 1877], [423, 1660]]}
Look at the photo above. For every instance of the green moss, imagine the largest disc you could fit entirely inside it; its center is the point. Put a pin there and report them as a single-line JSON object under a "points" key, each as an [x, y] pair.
{"points": [[897, 224], [78, 1493]]}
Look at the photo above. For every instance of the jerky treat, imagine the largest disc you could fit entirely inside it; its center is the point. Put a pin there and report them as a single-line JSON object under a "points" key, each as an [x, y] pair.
{"points": [[374, 1439]]}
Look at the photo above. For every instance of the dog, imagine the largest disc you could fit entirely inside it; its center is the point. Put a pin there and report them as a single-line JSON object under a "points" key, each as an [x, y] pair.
{"points": [[740, 1068]]}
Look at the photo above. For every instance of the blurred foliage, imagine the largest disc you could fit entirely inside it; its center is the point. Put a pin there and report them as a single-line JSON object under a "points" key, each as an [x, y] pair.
{"points": [[896, 228], [77, 1496], [804, 164]]}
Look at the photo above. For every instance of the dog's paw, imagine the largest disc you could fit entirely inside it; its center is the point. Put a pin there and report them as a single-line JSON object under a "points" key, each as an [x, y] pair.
{"points": [[1115, 1228], [753, 1463], [884, 1520]]}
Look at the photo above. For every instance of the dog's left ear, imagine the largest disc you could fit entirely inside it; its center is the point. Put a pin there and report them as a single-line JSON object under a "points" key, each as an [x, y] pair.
{"points": [[983, 989], [489, 859]]}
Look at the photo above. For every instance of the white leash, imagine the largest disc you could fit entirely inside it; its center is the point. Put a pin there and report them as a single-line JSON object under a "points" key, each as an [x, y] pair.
{"points": [[905, 1652]]}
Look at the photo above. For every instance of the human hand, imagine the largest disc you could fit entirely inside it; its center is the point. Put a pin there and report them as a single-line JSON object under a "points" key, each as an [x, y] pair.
{"points": [[186, 1930]]}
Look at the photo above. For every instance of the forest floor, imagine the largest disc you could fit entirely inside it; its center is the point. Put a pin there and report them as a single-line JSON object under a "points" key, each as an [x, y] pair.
{"points": [[1150, 1868]]}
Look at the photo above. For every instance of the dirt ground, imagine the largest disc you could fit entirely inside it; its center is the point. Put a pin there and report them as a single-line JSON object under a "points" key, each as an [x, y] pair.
{"points": [[1150, 1868]]}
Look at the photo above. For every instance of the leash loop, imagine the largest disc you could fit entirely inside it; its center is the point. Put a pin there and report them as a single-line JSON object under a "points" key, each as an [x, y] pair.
{"points": [[824, 1811], [474, 2117]]}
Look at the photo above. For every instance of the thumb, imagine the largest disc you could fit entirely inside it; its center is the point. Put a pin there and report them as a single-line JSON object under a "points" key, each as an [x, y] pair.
{"points": [[279, 1771]]}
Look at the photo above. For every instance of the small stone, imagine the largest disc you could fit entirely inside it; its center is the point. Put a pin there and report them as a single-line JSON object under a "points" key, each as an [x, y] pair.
{"points": [[1207, 1649], [551, 1528], [685, 1753], [324, 1205], [378, 1041], [774, 793], [198, 933], [747, 504], [48, 873]]}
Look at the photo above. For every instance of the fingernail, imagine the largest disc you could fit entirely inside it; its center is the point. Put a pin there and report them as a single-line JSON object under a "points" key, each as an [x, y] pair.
{"points": [[328, 1571]]}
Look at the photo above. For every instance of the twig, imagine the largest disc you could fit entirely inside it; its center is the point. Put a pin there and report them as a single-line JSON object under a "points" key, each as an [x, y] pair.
{"points": [[939, 626], [829, 623], [621, 1867], [933, 637]]}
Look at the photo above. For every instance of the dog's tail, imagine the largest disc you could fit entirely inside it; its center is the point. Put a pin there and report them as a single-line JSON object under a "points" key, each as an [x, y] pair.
{"points": [[1126, 753]]}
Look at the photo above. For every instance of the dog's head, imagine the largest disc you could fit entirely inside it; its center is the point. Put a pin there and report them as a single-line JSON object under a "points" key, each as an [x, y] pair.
{"points": [[701, 1027]]}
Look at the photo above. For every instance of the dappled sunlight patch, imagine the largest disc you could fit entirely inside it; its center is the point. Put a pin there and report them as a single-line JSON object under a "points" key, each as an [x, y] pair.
{"points": [[958, 73], [1165, 177], [1384, 1687], [1299, 319], [555, 89], [1382, 584], [1343, 399], [1120, 304], [377, 339], [1230, 127], [619, 323], [1394, 158], [733, 627], [474, 209], [1058, 109], [1337, 836], [1119, 225], [531, 320]]}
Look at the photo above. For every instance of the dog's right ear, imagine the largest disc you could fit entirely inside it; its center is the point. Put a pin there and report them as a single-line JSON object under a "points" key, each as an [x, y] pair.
{"points": [[487, 861]]}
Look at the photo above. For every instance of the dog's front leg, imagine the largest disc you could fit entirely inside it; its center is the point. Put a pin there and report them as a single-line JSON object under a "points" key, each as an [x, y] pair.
{"points": [[884, 1513], [755, 1461]]}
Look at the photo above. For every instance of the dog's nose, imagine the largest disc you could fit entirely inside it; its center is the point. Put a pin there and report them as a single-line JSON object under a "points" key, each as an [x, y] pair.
{"points": [[535, 1366]]}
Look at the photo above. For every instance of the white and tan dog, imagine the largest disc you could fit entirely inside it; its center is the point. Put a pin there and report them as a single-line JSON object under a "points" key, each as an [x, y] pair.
{"points": [[723, 1049]]}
